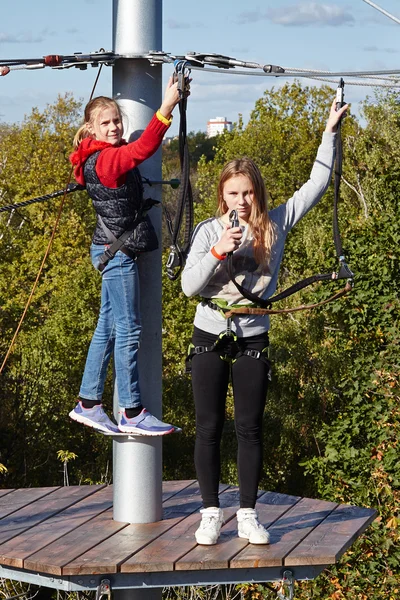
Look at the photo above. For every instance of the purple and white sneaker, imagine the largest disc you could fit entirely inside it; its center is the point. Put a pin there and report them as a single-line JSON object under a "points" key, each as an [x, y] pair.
{"points": [[93, 417], [144, 424]]}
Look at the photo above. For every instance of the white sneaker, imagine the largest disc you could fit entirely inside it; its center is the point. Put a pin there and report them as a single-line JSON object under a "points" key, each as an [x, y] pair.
{"points": [[250, 528], [210, 526]]}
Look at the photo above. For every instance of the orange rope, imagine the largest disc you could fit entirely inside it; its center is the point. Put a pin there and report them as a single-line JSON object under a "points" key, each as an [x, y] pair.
{"points": [[53, 233], [281, 311]]}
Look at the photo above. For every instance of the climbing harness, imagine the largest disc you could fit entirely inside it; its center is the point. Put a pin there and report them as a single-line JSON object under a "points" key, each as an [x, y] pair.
{"points": [[229, 348], [118, 243], [260, 306], [178, 249]]}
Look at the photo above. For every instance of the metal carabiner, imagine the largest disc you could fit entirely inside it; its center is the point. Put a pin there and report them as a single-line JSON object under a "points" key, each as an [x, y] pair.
{"points": [[181, 75]]}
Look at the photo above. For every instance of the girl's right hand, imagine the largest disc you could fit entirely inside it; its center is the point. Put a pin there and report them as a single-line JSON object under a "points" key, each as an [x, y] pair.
{"points": [[230, 240]]}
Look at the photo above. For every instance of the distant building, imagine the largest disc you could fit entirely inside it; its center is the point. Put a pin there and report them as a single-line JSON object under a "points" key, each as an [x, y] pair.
{"points": [[218, 125]]}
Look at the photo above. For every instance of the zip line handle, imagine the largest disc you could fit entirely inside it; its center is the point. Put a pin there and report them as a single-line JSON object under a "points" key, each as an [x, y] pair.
{"points": [[182, 76], [340, 95], [234, 222], [234, 219]]}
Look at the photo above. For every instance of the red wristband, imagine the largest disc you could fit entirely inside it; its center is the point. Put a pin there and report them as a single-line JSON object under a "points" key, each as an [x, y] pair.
{"points": [[215, 253]]}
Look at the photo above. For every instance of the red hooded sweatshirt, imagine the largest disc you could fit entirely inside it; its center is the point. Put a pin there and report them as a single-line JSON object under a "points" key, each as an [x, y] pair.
{"points": [[114, 162]]}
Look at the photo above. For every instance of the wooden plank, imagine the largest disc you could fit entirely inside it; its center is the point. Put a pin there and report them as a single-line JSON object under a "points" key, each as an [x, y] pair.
{"points": [[270, 507], [331, 538], [108, 556], [164, 553], [22, 497], [56, 555], [170, 488], [14, 552], [5, 492], [44, 508], [286, 533]]}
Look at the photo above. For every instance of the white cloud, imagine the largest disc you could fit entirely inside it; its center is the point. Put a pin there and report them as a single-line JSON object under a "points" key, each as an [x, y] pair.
{"points": [[303, 13], [174, 24], [24, 37], [376, 49]]}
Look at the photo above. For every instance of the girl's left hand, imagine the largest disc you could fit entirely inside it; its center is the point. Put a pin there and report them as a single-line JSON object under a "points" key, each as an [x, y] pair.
{"points": [[171, 98], [335, 116]]}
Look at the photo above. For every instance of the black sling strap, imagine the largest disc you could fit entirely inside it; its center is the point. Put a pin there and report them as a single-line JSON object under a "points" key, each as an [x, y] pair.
{"points": [[344, 270], [117, 243], [179, 251]]}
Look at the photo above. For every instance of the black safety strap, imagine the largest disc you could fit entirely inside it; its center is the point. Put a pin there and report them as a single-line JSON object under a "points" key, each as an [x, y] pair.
{"points": [[229, 349], [118, 243], [344, 271], [179, 250]]}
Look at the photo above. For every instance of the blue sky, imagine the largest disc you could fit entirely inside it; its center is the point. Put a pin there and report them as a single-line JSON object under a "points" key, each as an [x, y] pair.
{"points": [[336, 35]]}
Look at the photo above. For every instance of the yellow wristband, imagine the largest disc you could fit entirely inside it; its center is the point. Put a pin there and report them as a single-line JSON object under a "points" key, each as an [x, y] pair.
{"points": [[163, 119]]}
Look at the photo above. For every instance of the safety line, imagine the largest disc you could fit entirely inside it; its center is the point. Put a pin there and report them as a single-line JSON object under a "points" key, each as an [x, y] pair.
{"points": [[46, 254], [28, 303], [381, 10]]}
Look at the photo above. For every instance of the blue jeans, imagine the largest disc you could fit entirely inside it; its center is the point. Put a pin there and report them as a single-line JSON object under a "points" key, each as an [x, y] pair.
{"points": [[117, 332]]}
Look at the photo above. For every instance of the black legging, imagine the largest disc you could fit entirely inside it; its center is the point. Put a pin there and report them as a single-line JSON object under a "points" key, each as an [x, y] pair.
{"points": [[210, 378]]}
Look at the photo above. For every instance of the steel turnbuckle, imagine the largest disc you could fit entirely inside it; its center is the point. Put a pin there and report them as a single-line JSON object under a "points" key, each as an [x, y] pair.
{"points": [[104, 589], [287, 582]]}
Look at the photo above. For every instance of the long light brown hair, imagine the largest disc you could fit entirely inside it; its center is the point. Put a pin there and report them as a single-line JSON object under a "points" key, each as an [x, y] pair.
{"points": [[92, 110], [261, 225]]}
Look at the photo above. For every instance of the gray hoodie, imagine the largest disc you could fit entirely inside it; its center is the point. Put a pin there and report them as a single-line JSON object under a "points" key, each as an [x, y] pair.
{"points": [[207, 276]]}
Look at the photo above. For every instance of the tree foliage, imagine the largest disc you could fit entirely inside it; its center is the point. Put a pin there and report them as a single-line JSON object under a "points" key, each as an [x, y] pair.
{"points": [[332, 417], [42, 375]]}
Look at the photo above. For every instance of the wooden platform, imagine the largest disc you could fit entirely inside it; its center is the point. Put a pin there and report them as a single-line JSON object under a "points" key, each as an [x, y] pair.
{"points": [[66, 538]]}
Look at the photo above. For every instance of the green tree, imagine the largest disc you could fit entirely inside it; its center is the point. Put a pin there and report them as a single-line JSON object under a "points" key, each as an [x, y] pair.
{"points": [[332, 420], [41, 377]]}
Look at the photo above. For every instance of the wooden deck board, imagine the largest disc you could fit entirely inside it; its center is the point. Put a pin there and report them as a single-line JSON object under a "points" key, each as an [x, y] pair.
{"points": [[5, 492], [27, 517], [286, 533], [20, 498], [55, 556], [70, 532], [15, 551], [118, 548], [270, 506], [326, 544], [162, 554]]}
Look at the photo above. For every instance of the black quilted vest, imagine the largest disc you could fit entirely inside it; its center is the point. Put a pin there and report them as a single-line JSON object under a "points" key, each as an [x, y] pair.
{"points": [[118, 208]]}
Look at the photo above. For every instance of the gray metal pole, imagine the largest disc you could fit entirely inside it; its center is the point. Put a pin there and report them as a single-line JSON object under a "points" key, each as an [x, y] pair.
{"points": [[137, 477]]}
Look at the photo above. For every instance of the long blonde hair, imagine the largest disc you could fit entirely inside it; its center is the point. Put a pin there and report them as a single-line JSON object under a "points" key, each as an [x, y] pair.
{"points": [[92, 110], [261, 225]]}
